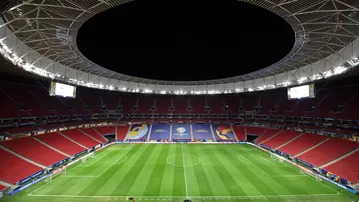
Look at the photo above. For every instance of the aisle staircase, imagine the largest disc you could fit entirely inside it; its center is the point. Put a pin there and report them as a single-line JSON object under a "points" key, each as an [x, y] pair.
{"points": [[312, 147]]}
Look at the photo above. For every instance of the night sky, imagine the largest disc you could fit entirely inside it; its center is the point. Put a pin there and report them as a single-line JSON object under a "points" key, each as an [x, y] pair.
{"points": [[185, 40]]}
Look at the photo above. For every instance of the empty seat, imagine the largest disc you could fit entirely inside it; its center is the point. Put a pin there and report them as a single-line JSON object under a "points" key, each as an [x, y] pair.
{"points": [[34, 150]]}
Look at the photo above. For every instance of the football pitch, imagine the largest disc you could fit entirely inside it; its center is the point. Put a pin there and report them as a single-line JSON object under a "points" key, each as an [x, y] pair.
{"points": [[165, 172]]}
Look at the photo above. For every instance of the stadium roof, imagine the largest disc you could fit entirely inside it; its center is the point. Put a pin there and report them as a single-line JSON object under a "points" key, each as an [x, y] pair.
{"points": [[323, 30]]}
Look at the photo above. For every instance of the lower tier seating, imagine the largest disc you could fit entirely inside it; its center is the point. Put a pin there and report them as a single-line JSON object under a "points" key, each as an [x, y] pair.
{"points": [[328, 151], [14, 169], [106, 130], [61, 143], [302, 143], [122, 132], [240, 132], [91, 132], [34, 150], [80, 138], [255, 130], [267, 134], [281, 138], [348, 168], [2, 187]]}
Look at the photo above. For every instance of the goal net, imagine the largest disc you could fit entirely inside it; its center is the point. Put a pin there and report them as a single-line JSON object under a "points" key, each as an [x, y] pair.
{"points": [[311, 174], [60, 171], [274, 156], [90, 155]]}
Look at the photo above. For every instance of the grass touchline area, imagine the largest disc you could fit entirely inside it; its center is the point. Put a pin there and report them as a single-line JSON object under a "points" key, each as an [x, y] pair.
{"points": [[200, 172]]}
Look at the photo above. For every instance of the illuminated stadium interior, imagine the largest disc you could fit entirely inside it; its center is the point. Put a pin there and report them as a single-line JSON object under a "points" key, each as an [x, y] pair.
{"points": [[179, 101], [185, 40]]}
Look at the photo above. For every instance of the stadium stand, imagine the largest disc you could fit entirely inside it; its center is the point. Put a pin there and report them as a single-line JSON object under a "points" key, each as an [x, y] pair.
{"points": [[348, 167], [91, 132], [105, 130], [61, 143], [266, 135], [80, 138], [198, 105], [281, 138], [145, 104], [328, 151], [304, 142], [122, 131], [34, 150], [2, 187], [239, 132], [180, 104], [13, 169], [255, 130], [215, 105], [163, 104]]}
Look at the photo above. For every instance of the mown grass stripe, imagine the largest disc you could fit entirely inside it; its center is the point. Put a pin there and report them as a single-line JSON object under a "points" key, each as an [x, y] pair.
{"points": [[156, 176], [126, 183], [201, 178]]}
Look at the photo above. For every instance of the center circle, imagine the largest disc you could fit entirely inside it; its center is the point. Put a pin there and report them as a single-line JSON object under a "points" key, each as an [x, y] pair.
{"points": [[185, 40], [187, 160]]}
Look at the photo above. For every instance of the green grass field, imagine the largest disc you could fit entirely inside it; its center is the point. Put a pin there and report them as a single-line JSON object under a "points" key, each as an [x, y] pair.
{"points": [[161, 172]]}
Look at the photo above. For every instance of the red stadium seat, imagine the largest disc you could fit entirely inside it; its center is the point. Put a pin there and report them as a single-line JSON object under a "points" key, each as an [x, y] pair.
{"points": [[34, 150], [13, 169]]}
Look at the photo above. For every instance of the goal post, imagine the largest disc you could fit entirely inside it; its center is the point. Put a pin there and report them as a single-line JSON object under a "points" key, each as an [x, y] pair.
{"points": [[310, 173], [90, 155], [60, 171]]}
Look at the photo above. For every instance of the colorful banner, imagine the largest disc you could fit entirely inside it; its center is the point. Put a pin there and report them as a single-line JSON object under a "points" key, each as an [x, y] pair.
{"points": [[181, 132], [160, 132], [138, 132], [202, 132], [223, 132]]}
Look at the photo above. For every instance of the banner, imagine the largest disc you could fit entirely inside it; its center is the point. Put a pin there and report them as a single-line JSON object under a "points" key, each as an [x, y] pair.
{"points": [[202, 132], [160, 132], [223, 133], [181, 132], [138, 132]]}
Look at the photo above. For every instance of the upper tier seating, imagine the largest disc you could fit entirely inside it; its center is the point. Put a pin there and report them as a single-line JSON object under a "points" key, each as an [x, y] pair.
{"points": [[91, 132], [122, 131], [302, 143], [163, 104], [232, 103], [34, 150], [348, 167], [145, 104], [198, 105], [181, 104], [240, 132], [14, 169], [216, 105], [267, 134], [128, 103], [106, 130], [80, 138], [328, 151], [281, 138], [61, 143]]}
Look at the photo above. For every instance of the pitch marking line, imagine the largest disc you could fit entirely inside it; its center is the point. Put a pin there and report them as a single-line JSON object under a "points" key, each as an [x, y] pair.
{"points": [[30, 194], [99, 158], [252, 163], [169, 162], [184, 172]]}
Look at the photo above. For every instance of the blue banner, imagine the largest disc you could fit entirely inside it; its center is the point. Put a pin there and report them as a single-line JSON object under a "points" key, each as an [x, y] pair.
{"points": [[138, 132], [181, 132], [202, 132], [223, 133], [60, 162], [30, 177], [160, 132]]}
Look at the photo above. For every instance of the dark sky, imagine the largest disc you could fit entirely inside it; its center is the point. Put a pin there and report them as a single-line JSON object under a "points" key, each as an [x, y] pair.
{"points": [[185, 40]]}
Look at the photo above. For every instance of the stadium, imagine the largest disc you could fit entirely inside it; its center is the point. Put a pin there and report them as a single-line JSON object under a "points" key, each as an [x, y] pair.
{"points": [[179, 100]]}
